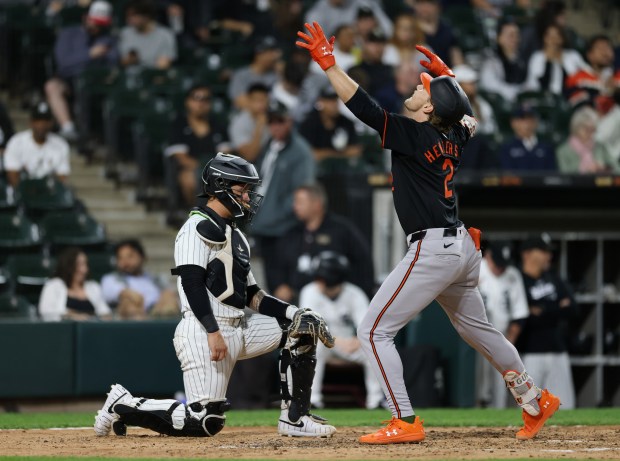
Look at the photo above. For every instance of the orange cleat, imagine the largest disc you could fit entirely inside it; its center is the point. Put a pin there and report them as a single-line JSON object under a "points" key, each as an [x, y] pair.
{"points": [[396, 431], [549, 404]]}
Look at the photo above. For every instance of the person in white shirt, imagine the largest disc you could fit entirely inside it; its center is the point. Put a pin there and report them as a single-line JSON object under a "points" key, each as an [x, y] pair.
{"points": [[549, 66], [37, 152], [503, 293], [343, 305], [68, 295]]}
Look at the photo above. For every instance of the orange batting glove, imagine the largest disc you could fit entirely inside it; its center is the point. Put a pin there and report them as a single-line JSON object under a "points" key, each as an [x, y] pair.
{"points": [[436, 66], [320, 48]]}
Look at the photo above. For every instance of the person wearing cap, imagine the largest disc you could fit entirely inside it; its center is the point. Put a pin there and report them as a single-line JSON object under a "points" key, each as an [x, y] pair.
{"points": [[143, 41], [501, 287], [262, 69], [380, 76], [543, 341], [330, 134], [37, 152], [78, 47], [468, 79], [443, 258], [284, 164], [342, 304], [525, 151]]}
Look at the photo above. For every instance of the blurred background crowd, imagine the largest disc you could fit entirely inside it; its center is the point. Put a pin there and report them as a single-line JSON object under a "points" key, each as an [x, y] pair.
{"points": [[149, 90]]}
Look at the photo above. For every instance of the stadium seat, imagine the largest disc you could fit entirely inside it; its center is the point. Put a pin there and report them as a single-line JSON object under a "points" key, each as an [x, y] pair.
{"points": [[29, 273], [43, 195], [5, 280], [150, 136], [16, 307], [18, 235], [99, 264], [553, 114], [68, 228], [9, 198]]}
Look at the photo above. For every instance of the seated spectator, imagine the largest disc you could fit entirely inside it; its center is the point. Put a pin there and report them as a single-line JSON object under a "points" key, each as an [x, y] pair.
{"points": [[287, 90], [76, 48], [248, 131], [132, 291], [261, 70], [69, 295], [366, 21], [501, 287], [579, 154], [330, 134], [345, 50], [483, 112], [548, 12], [439, 34], [195, 138], [333, 13], [595, 84], [319, 230], [504, 71], [525, 152], [284, 164], [144, 42], [406, 79], [549, 66], [6, 129], [343, 305], [378, 75], [607, 134], [37, 152], [400, 50]]}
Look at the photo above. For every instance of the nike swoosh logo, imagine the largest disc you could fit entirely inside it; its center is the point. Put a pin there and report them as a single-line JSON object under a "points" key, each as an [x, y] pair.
{"points": [[448, 245], [110, 408], [299, 424]]}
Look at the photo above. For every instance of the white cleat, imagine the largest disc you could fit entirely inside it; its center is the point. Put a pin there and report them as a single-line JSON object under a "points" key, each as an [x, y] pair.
{"points": [[106, 416], [305, 427]]}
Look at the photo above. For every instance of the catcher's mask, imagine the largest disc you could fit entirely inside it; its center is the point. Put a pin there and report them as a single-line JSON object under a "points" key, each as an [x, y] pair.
{"points": [[331, 267], [223, 172]]}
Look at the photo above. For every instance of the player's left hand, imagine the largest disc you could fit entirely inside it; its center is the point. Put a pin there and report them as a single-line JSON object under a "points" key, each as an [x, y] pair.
{"points": [[435, 65], [320, 48], [308, 322]]}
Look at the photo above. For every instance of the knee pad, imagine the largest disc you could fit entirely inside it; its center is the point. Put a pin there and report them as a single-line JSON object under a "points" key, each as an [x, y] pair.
{"points": [[152, 414], [214, 420]]}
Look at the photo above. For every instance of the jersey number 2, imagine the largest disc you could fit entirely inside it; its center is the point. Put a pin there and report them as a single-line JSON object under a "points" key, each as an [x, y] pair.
{"points": [[447, 165]]}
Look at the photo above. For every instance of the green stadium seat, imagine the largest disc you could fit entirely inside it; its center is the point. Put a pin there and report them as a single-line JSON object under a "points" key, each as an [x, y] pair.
{"points": [[16, 307], [18, 235], [9, 198], [99, 264], [72, 228], [29, 273], [553, 113], [43, 195], [5, 280]]}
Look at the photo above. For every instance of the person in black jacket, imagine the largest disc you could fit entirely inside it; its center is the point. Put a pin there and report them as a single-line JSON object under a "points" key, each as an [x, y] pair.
{"points": [[318, 231], [542, 342]]}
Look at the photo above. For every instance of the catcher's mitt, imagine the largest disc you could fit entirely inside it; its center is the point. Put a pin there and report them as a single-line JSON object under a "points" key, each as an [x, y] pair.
{"points": [[308, 322]]}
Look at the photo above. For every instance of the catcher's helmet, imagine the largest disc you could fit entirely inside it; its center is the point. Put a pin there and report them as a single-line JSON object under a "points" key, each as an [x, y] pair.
{"points": [[447, 97], [224, 171], [331, 267]]}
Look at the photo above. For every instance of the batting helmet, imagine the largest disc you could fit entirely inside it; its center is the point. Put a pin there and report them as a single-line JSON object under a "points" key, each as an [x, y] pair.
{"points": [[223, 172], [447, 97], [331, 267]]}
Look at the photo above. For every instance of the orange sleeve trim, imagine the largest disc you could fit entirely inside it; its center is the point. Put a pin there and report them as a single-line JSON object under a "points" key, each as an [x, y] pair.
{"points": [[384, 128]]}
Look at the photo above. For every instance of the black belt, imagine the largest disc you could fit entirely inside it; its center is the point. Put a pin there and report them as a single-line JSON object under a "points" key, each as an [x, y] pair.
{"points": [[419, 235]]}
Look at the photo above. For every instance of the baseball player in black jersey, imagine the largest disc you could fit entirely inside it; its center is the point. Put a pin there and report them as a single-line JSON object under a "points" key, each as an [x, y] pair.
{"points": [[443, 257], [215, 285]]}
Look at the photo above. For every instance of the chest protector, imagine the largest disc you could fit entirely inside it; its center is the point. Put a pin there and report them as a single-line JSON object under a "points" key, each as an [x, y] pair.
{"points": [[227, 273]]}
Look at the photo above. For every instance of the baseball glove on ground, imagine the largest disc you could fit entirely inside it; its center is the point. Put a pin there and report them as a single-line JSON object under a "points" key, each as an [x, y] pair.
{"points": [[308, 322]]}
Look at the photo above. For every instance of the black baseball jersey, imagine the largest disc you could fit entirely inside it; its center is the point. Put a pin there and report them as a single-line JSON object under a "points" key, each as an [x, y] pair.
{"points": [[424, 163], [546, 332]]}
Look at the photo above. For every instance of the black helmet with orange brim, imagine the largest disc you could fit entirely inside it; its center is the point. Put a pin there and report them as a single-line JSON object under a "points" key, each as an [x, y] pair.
{"points": [[448, 98]]}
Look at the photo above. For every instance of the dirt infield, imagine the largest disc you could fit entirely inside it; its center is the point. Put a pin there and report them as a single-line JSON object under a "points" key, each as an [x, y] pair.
{"points": [[263, 442]]}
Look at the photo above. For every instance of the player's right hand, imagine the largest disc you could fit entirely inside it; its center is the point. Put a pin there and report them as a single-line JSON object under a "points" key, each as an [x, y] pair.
{"points": [[435, 65], [217, 346], [320, 48]]}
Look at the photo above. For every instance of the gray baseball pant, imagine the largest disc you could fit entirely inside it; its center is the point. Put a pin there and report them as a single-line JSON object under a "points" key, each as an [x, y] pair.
{"points": [[435, 268]]}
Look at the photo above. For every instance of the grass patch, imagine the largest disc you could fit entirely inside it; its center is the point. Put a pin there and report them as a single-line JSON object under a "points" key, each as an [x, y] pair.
{"points": [[433, 417], [61, 458]]}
